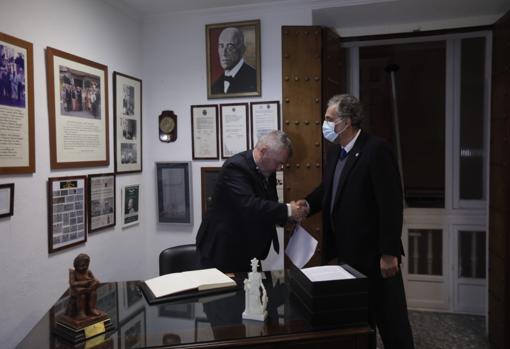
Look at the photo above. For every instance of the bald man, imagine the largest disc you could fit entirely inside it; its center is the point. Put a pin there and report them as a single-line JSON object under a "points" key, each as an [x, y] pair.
{"points": [[238, 76]]}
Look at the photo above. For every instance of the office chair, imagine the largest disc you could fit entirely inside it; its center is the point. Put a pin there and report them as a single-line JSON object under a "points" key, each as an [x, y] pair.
{"points": [[179, 258]]}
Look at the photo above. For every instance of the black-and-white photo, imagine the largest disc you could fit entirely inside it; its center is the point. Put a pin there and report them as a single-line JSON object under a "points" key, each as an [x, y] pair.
{"points": [[80, 93], [128, 153], [128, 100], [12, 76], [129, 129]]}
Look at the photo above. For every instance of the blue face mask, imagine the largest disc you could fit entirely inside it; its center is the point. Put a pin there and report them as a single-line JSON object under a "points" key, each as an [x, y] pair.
{"points": [[328, 131]]}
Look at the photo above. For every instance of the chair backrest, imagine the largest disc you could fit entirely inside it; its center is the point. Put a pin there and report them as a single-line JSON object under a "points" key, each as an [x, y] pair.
{"points": [[179, 258]]}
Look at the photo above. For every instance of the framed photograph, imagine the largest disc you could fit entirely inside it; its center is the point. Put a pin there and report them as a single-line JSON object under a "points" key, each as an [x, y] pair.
{"points": [[17, 149], [177, 310], [264, 118], [6, 200], [234, 129], [174, 192], [130, 300], [127, 108], [130, 205], [78, 111], [233, 59], [209, 176], [204, 132], [66, 212], [132, 332], [101, 199]]}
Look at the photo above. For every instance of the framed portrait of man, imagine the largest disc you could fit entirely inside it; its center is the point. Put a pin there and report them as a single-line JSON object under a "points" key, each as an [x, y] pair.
{"points": [[233, 59]]}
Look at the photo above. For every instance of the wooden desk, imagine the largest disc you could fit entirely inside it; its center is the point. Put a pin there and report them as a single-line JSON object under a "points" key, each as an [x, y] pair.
{"points": [[208, 322]]}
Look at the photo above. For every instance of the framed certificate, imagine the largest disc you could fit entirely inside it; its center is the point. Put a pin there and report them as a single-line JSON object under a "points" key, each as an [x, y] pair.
{"points": [[17, 145], [264, 118], [204, 132], [234, 128], [127, 107], [78, 111]]}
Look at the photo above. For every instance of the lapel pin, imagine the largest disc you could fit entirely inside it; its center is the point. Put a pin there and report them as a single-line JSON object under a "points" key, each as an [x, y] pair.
{"points": [[357, 154]]}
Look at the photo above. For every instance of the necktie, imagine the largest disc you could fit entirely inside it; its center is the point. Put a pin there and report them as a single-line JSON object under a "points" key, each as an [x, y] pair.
{"points": [[343, 154], [228, 78]]}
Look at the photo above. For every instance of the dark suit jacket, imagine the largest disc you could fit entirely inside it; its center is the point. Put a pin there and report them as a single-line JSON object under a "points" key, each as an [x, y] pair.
{"points": [[240, 222], [244, 81], [366, 220]]}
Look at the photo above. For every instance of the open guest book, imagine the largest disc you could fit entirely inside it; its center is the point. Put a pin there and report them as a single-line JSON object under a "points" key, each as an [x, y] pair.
{"points": [[176, 286]]}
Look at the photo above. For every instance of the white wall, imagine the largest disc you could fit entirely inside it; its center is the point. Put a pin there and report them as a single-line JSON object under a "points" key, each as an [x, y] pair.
{"points": [[31, 279]]}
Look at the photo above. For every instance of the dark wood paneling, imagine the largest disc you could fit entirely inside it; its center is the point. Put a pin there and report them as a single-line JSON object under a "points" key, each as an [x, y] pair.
{"points": [[499, 204]]}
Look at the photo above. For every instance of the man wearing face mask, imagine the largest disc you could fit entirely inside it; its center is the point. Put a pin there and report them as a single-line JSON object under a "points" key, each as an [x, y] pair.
{"points": [[240, 224], [362, 211]]}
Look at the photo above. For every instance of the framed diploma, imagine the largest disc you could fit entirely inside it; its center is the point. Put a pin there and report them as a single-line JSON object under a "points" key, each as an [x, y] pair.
{"points": [[78, 111], [127, 109], [66, 212], [204, 131], [264, 118], [17, 136], [234, 128], [101, 199]]}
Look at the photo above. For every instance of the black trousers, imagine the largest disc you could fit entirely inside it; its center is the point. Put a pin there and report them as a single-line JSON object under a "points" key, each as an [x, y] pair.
{"points": [[388, 310]]}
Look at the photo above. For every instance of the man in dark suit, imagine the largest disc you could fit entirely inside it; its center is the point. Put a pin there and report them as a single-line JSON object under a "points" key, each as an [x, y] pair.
{"points": [[238, 76], [240, 223], [362, 208]]}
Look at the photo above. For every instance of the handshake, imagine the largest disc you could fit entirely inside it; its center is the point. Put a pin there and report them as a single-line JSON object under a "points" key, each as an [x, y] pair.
{"points": [[299, 210]]}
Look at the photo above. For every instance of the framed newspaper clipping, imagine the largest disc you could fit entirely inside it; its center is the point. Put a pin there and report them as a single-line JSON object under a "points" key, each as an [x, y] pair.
{"points": [[67, 198], [130, 205], [17, 136], [127, 108], [101, 199], [78, 111]]}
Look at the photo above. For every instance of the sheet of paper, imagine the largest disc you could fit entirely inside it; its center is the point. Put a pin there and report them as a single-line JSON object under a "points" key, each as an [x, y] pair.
{"points": [[327, 273], [301, 246]]}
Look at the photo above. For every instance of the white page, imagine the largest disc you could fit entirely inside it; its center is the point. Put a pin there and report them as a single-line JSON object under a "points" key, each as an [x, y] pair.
{"points": [[170, 283], [327, 273], [209, 278], [301, 246]]}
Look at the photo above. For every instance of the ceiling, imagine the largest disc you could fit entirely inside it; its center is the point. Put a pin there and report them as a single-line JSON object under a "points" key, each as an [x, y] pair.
{"points": [[342, 13]]}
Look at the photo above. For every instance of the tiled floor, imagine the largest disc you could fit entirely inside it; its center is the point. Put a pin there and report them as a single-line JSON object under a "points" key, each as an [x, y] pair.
{"points": [[451, 331]]}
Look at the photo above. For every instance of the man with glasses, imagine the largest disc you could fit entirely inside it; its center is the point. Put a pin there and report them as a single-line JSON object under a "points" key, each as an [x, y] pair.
{"points": [[238, 76], [240, 223]]}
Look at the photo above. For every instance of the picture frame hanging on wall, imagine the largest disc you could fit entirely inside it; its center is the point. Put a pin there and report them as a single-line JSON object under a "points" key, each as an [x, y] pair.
{"points": [[264, 118], [233, 59], [67, 207], [17, 149], [127, 109], [174, 192], [204, 132], [208, 176], [234, 128], [77, 110], [6, 200], [101, 201], [130, 205]]}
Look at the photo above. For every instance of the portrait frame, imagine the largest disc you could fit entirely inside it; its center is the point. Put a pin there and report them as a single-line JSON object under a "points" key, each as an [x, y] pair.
{"points": [[204, 132], [234, 128], [247, 87], [77, 110], [101, 201], [67, 212], [264, 117], [175, 194], [18, 158], [131, 207], [208, 178], [127, 110], [135, 330], [6, 200]]}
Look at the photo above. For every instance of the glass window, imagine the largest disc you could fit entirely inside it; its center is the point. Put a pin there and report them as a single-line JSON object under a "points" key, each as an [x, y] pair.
{"points": [[471, 184], [425, 251], [472, 254]]}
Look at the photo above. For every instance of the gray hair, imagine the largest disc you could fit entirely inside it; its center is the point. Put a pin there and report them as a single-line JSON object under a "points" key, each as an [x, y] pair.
{"points": [[348, 106], [275, 140]]}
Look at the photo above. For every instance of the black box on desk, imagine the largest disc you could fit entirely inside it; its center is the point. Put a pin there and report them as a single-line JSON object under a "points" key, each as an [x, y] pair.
{"points": [[338, 302]]}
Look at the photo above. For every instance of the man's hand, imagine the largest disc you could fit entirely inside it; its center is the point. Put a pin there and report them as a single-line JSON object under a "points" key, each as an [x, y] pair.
{"points": [[389, 266], [299, 210]]}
